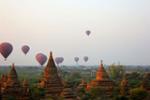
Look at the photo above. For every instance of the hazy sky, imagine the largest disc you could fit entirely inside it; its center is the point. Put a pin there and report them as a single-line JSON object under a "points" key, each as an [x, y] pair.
{"points": [[120, 30]]}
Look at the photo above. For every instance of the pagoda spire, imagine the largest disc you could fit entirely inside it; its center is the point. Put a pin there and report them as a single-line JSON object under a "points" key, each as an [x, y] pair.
{"points": [[101, 73], [51, 62], [12, 75], [13, 65], [51, 69], [51, 55], [101, 62]]}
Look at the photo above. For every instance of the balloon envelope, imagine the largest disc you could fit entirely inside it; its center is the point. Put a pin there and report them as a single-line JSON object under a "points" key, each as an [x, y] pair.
{"points": [[59, 60], [76, 59], [41, 58], [88, 32], [25, 49], [86, 58], [5, 49]]}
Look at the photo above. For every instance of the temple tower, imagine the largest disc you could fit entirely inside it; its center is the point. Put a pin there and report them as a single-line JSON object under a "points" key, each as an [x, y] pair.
{"points": [[51, 81], [101, 73], [12, 88], [102, 80]]}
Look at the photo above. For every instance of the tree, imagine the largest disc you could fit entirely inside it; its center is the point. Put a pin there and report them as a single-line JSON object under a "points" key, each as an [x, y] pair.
{"points": [[134, 79], [11, 98], [116, 71], [138, 94], [98, 94], [121, 98]]}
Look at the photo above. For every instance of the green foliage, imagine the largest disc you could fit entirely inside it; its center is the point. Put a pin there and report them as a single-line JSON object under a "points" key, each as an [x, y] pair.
{"points": [[134, 79], [116, 71], [116, 91], [41, 92], [11, 98], [120, 98], [74, 79], [81, 92], [74, 76], [86, 96], [98, 94], [138, 94], [134, 83], [37, 93]]}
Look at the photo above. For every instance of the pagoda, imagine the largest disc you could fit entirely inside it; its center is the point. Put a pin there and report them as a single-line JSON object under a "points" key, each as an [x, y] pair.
{"points": [[102, 81], [68, 93], [12, 88], [51, 81]]}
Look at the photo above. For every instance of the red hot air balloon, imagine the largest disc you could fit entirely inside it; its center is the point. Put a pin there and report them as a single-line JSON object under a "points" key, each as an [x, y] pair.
{"points": [[88, 32], [6, 49], [59, 60], [25, 49], [86, 58], [41, 58], [76, 59]]}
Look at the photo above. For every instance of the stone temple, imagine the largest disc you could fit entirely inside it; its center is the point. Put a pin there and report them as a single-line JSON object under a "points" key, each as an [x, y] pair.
{"points": [[102, 81], [11, 87], [51, 81]]}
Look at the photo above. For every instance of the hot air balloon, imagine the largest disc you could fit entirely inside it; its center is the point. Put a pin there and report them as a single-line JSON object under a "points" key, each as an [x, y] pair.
{"points": [[85, 58], [59, 60], [41, 58], [88, 32], [6, 49], [76, 59], [25, 49]]}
